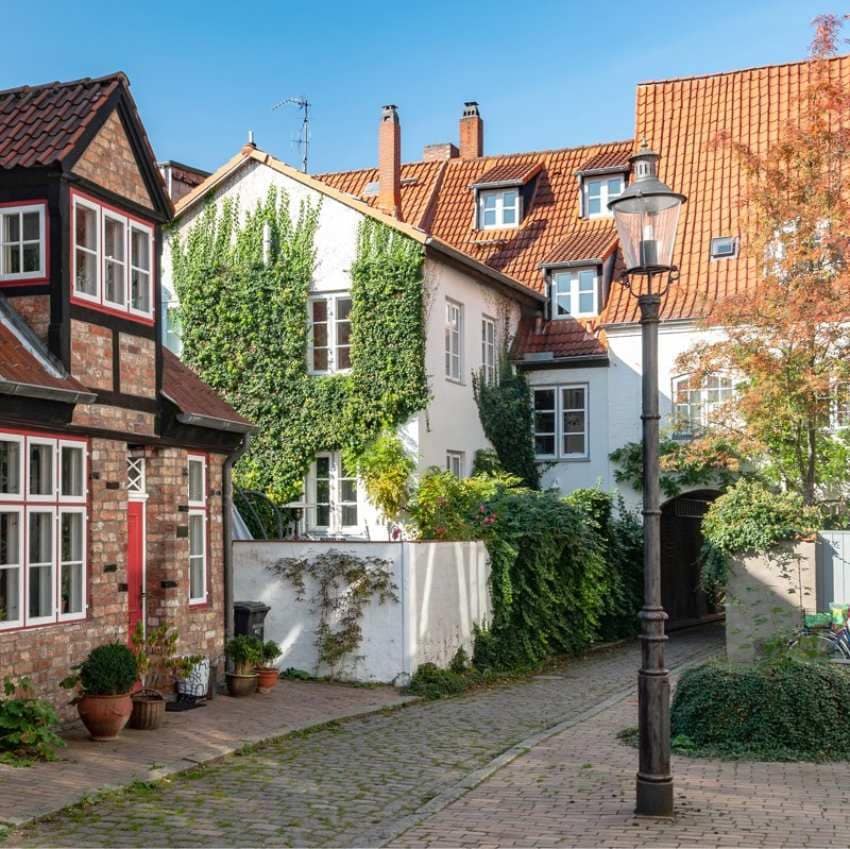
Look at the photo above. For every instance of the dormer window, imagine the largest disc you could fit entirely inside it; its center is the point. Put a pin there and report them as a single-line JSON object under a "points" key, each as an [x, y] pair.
{"points": [[599, 191], [22, 242], [575, 292], [498, 208]]}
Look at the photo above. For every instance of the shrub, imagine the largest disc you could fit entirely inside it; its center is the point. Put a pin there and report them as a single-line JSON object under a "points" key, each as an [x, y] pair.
{"points": [[784, 709], [431, 682], [749, 517], [269, 652], [385, 468], [27, 725], [245, 651], [109, 670]]}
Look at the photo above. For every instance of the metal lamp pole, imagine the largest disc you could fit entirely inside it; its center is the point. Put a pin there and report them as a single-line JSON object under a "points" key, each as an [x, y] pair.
{"points": [[646, 215]]}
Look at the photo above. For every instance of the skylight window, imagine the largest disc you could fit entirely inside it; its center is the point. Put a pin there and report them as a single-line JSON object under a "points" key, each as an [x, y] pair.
{"points": [[724, 247]]}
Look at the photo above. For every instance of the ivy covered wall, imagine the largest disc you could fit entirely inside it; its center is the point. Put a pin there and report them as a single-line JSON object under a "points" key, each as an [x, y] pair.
{"points": [[244, 322]]}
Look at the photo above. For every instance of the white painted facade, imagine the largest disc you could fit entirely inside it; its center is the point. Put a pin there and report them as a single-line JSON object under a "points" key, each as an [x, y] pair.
{"points": [[450, 423], [442, 590]]}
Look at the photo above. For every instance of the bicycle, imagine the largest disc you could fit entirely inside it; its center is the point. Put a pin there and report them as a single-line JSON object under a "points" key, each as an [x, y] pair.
{"points": [[819, 636]]}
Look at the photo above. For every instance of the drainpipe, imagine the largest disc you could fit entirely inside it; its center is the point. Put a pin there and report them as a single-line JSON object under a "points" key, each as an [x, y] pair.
{"points": [[227, 520]]}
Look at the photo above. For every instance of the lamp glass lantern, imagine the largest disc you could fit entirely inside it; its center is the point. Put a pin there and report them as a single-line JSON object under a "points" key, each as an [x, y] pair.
{"points": [[646, 215]]}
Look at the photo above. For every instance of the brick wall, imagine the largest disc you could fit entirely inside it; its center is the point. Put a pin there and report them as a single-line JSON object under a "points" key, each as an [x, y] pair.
{"points": [[137, 365], [47, 653], [35, 311], [109, 162], [114, 418], [91, 354]]}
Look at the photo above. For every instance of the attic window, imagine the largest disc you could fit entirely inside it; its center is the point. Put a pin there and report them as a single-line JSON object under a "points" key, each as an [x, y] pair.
{"points": [[574, 293], [22, 242], [724, 247], [598, 191], [498, 208]]}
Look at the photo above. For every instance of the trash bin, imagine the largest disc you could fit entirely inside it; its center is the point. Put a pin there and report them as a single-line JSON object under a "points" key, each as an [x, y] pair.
{"points": [[249, 617]]}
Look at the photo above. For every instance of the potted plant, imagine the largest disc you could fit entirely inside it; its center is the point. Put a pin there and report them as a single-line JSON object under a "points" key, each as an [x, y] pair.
{"points": [[267, 671], [244, 653], [103, 682], [157, 664]]}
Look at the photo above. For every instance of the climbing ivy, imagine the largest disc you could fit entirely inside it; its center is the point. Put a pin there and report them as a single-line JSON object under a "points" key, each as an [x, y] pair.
{"points": [[243, 309]]}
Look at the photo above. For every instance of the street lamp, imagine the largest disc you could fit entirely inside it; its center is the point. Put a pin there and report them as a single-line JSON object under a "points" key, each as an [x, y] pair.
{"points": [[646, 215]]}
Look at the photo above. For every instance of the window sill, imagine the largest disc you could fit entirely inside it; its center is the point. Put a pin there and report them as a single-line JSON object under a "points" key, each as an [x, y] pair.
{"points": [[455, 380]]}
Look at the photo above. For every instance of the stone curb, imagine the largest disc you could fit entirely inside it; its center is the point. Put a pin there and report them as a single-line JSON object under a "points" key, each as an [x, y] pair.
{"points": [[381, 836]]}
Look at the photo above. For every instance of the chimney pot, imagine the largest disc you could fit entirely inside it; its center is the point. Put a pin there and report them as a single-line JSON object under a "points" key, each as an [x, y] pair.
{"points": [[389, 162], [471, 131]]}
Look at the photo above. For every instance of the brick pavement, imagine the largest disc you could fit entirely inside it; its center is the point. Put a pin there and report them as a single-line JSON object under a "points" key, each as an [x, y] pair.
{"points": [[360, 782]]}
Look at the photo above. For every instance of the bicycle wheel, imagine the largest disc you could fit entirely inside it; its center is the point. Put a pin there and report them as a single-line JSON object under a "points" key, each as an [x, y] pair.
{"points": [[821, 644]]}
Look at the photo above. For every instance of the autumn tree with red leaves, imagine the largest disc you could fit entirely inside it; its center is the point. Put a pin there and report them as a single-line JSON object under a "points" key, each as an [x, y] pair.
{"points": [[787, 339]]}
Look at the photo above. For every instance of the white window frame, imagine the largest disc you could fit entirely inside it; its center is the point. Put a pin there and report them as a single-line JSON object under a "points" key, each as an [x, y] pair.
{"points": [[53, 495], [488, 348], [50, 510], [77, 202], [20, 210], [136, 466], [560, 433], [705, 406], [109, 215], [202, 514], [500, 208], [20, 566], [454, 341], [604, 195], [69, 510], [23, 480], [335, 501], [573, 277], [456, 463], [60, 462], [333, 322], [202, 501], [717, 257], [131, 267], [554, 412]]}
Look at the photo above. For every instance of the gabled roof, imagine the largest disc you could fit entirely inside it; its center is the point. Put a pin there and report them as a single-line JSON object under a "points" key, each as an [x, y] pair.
{"points": [[509, 174], [197, 403], [681, 118], [51, 124]]}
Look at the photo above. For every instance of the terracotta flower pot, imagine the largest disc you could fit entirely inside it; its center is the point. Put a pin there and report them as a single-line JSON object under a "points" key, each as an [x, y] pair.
{"points": [[148, 711], [268, 677], [241, 685], [105, 716]]}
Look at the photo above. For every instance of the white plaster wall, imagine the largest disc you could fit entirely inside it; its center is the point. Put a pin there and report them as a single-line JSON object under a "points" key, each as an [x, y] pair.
{"points": [[615, 402], [451, 421], [443, 592]]}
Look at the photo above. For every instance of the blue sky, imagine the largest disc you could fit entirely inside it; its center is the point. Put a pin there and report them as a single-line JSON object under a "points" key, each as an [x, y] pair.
{"points": [[547, 74]]}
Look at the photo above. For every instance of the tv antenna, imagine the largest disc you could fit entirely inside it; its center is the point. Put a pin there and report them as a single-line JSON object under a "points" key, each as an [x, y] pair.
{"points": [[304, 140]]}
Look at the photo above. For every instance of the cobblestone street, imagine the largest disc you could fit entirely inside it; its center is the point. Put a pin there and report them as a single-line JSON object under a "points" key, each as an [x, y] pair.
{"points": [[364, 781]]}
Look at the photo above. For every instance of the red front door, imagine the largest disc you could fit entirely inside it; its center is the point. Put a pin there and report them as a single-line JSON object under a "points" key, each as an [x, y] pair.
{"points": [[135, 560]]}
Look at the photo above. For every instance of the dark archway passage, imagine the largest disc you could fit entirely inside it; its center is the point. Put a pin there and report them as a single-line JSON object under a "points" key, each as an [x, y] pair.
{"points": [[681, 541]]}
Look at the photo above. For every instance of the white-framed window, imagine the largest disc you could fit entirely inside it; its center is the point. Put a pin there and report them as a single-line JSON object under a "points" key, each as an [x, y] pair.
{"points": [[454, 341], [22, 242], [498, 208], [136, 484], [695, 403], [575, 292], [488, 349], [456, 463], [42, 529], [724, 247], [172, 332], [329, 348], [196, 466], [560, 422], [598, 191], [333, 495], [112, 258]]}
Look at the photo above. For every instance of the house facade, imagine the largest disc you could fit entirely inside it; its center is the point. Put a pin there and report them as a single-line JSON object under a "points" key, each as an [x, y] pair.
{"points": [[114, 456]]}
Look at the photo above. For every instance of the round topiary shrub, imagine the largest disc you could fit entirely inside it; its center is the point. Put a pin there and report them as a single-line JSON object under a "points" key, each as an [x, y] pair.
{"points": [[785, 709], [109, 670]]}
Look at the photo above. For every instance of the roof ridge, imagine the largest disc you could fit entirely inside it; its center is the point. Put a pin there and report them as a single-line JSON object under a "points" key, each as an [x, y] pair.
{"points": [[746, 70], [543, 152], [25, 89]]}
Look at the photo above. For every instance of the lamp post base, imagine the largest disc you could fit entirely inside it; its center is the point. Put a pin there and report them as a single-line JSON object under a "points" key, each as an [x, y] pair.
{"points": [[654, 798]]}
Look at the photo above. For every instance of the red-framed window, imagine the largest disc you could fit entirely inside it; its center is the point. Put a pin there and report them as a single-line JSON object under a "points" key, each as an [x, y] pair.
{"points": [[198, 542], [24, 241], [43, 524], [112, 259]]}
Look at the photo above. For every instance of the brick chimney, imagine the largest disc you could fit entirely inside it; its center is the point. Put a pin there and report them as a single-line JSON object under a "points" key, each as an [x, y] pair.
{"points": [[389, 162], [437, 152], [471, 132]]}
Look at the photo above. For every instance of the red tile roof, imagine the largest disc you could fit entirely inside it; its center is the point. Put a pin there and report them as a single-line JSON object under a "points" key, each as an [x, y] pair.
{"points": [[193, 397], [594, 244], [40, 125], [509, 173], [608, 160], [681, 118], [559, 338]]}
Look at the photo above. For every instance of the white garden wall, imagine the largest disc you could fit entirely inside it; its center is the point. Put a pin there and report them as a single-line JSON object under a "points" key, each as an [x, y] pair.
{"points": [[442, 589]]}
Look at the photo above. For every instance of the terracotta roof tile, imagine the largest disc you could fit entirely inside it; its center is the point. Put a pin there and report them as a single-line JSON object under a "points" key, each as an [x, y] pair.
{"points": [[589, 244], [609, 160], [509, 173], [560, 338], [193, 397]]}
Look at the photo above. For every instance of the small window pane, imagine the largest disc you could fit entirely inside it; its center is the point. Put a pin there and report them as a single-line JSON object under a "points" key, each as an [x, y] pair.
{"points": [[544, 445], [141, 249], [320, 335], [594, 206], [323, 491], [615, 187], [72, 536], [323, 467], [41, 538], [41, 469], [574, 422], [10, 595], [489, 217], [573, 399], [586, 281], [490, 202], [196, 480], [594, 188], [12, 227], [72, 470], [574, 444], [12, 259], [343, 309], [544, 422], [32, 258], [323, 516], [140, 289], [509, 215], [348, 489], [320, 359], [349, 516], [10, 468], [72, 588], [196, 535], [544, 399], [320, 310], [585, 303], [32, 231], [86, 279], [86, 227], [10, 539]]}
